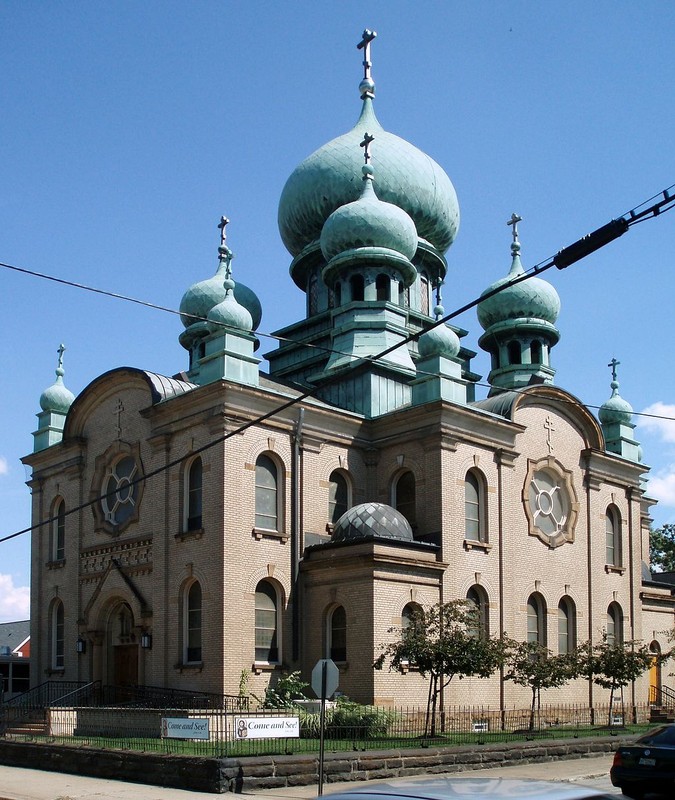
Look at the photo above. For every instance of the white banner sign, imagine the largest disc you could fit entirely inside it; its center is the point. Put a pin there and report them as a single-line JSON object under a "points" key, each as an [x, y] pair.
{"points": [[184, 728], [267, 727]]}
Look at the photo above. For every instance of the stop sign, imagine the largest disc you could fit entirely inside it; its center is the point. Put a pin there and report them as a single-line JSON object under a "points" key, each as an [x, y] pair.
{"points": [[326, 676]]}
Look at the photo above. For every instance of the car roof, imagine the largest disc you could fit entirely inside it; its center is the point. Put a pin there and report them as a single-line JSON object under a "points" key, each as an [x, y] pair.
{"points": [[472, 788]]}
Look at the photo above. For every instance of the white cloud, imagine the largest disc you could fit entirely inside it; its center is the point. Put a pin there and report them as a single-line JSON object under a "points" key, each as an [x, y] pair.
{"points": [[4, 466], [664, 428], [14, 600], [662, 486]]}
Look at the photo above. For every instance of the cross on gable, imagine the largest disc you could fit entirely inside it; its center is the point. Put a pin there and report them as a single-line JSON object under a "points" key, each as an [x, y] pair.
{"points": [[548, 424], [513, 223]]}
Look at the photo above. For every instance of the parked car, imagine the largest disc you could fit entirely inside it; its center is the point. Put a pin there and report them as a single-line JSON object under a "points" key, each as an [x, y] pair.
{"points": [[474, 788], [648, 765]]}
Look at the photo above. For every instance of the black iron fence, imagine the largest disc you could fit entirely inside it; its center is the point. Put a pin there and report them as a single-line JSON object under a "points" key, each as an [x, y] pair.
{"points": [[217, 730]]}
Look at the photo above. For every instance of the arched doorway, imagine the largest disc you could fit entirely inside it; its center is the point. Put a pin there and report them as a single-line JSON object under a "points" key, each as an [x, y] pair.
{"points": [[122, 647], [655, 674]]}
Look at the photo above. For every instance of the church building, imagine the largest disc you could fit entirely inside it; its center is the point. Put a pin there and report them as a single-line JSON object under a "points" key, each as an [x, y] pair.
{"points": [[243, 520]]}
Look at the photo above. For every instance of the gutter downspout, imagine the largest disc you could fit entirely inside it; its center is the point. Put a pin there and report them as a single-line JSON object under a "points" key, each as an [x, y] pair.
{"points": [[296, 533]]}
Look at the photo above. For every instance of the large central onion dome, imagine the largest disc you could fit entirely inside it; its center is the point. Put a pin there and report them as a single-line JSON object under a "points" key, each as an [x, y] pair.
{"points": [[329, 179]]}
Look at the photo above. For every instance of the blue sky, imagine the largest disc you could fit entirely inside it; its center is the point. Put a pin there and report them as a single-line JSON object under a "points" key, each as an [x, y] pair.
{"points": [[128, 128]]}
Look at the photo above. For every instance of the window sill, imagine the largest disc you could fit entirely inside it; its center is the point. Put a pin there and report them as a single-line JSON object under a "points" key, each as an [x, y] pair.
{"points": [[265, 533], [194, 666], [470, 544], [610, 568], [60, 672], [259, 667], [57, 563], [182, 536]]}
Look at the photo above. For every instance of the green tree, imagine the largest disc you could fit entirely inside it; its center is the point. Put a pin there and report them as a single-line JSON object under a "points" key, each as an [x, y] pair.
{"points": [[662, 548], [442, 642], [533, 665], [613, 665]]}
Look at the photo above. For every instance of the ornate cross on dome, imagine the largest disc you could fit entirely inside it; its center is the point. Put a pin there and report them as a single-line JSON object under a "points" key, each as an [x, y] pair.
{"points": [[61, 351], [364, 45], [613, 364], [367, 139], [222, 225], [513, 223]]}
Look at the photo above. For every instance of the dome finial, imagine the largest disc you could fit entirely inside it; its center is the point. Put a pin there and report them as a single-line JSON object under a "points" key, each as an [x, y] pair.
{"points": [[614, 384], [439, 311], [59, 366], [367, 139], [367, 85], [513, 223]]}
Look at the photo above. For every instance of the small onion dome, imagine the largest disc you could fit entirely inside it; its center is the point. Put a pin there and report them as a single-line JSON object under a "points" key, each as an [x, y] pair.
{"points": [[372, 521], [439, 341], [57, 397], [229, 312], [616, 409], [533, 298], [368, 222], [201, 297], [406, 177]]}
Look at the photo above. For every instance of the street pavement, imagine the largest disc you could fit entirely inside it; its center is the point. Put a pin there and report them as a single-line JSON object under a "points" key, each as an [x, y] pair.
{"points": [[31, 784]]}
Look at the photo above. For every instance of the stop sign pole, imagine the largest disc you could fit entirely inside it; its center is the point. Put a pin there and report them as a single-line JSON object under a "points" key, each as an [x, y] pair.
{"points": [[325, 679]]}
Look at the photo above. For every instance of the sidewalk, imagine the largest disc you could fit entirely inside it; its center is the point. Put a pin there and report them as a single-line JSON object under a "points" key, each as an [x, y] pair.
{"points": [[28, 784]]}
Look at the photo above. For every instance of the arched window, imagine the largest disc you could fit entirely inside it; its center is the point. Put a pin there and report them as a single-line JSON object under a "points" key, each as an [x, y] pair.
{"points": [[383, 287], [337, 634], [201, 350], [475, 528], [338, 496], [192, 624], [403, 295], [477, 600], [57, 636], [337, 294], [410, 611], [613, 536], [266, 623], [567, 625], [536, 619], [58, 537], [266, 494], [357, 287], [535, 352], [614, 624], [313, 295], [513, 349], [404, 497], [193, 495]]}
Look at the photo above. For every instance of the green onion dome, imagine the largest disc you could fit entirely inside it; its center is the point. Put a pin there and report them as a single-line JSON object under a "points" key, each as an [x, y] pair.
{"points": [[406, 177], [533, 298], [229, 312], [616, 409], [439, 341], [57, 398], [368, 222], [201, 297]]}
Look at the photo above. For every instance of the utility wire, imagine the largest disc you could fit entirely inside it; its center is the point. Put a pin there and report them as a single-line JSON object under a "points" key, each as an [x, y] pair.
{"points": [[564, 258]]}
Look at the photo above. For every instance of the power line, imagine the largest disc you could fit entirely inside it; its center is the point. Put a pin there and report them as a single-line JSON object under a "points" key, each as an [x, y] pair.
{"points": [[564, 258]]}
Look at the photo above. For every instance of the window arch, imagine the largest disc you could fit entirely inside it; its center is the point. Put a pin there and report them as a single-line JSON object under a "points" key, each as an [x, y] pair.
{"points": [[383, 287], [477, 600], [336, 631], [338, 496], [408, 614], [356, 284], [535, 352], [475, 527], [192, 623], [536, 619], [567, 625], [57, 636], [405, 497], [267, 499], [613, 536], [266, 623], [193, 488], [58, 531], [614, 624]]}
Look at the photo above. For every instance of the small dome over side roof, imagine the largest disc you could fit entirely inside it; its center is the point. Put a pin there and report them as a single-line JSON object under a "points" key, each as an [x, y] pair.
{"points": [[369, 521], [616, 410]]}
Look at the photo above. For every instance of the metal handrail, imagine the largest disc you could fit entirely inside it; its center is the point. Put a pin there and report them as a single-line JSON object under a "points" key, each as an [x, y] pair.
{"points": [[662, 696]]}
